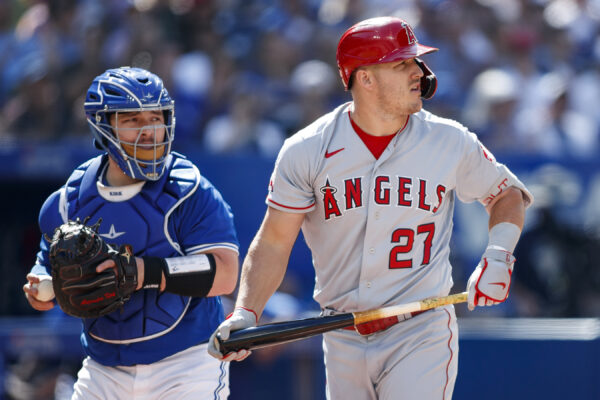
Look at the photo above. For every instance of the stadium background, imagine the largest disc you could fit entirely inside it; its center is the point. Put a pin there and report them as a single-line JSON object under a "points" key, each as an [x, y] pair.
{"points": [[523, 74]]}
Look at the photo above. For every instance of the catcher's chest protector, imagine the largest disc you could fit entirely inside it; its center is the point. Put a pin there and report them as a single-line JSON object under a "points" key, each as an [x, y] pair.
{"points": [[140, 222]]}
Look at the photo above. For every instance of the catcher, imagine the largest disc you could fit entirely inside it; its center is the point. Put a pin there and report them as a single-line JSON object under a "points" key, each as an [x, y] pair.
{"points": [[146, 276]]}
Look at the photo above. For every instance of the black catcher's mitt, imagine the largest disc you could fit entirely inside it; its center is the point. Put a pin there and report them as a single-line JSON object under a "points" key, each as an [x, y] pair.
{"points": [[75, 252]]}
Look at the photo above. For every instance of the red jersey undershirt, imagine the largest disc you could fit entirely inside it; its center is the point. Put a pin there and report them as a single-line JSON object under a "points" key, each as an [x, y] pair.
{"points": [[375, 144]]}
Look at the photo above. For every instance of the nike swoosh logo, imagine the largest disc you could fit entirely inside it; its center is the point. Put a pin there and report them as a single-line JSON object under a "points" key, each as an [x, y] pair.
{"points": [[499, 284], [327, 154]]}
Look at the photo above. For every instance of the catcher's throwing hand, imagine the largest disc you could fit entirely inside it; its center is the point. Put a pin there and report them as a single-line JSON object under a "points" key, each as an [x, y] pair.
{"points": [[90, 279], [241, 318], [490, 282], [31, 293]]}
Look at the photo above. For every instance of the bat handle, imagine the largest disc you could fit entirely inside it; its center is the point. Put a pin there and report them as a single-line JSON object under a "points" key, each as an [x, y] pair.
{"points": [[225, 347], [219, 344]]}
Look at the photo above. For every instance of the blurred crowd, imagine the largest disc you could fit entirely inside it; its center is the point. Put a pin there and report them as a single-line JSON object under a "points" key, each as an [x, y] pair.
{"points": [[523, 74]]}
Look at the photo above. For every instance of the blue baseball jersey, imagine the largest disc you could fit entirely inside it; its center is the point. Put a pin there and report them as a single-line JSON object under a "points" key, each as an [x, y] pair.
{"points": [[180, 214]]}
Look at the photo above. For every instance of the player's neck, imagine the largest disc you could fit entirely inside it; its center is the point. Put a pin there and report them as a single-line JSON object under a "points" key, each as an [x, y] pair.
{"points": [[374, 124], [116, 177]]}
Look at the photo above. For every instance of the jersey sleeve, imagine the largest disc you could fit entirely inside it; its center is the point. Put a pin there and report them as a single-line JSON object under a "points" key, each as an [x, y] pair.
{"points": [[481, 178], [204, 221], [290, 187], [49, 218]]}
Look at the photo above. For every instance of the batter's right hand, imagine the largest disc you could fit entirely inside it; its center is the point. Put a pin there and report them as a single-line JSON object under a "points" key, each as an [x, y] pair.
{"points": [[31, 292], [241, 318]]}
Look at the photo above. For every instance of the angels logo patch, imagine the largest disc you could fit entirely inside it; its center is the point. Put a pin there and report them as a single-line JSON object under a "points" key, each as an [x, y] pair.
{"points": [[410, 35]]}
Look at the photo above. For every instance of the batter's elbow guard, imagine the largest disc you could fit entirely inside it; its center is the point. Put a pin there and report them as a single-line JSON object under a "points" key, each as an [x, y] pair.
{"points": [[428, 80]]}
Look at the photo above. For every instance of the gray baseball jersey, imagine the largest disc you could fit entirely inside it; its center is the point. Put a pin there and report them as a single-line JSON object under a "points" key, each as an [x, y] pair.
{"points": [[379, 229]]}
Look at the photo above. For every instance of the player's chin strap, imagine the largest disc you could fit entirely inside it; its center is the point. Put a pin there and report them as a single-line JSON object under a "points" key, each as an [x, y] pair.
{"points": [[428, 80]]}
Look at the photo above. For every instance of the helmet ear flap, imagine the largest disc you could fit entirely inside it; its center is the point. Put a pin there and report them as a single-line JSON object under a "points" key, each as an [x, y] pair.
{"points": [[428, 81]]}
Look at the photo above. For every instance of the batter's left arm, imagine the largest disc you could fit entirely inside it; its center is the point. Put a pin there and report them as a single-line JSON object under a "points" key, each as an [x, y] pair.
{"points": [[509, 206]]}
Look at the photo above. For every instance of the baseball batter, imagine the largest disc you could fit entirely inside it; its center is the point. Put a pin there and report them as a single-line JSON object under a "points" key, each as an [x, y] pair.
{"points": [[181, 232], [372, 185]]}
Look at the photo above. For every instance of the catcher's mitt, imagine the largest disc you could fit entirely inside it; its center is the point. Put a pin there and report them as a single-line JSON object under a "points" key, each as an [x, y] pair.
{"points": [[75, 252]]}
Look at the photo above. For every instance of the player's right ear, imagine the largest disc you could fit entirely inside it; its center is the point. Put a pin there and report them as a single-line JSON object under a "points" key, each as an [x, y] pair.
{"points": [[362, 77]]}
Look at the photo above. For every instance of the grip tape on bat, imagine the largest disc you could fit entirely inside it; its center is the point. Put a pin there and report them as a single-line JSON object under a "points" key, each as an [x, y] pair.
{"points": [[282, 332]]}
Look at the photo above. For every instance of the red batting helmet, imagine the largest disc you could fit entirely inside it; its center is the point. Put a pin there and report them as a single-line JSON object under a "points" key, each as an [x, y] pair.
{"points": [[376, 41]]}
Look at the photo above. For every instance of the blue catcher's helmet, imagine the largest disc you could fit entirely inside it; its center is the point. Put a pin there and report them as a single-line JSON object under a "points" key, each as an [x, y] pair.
{"points": [[128, 90]]}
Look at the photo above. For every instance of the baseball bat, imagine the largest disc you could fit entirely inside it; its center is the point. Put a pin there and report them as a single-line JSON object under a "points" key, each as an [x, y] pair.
{"points": [[288, 331]]}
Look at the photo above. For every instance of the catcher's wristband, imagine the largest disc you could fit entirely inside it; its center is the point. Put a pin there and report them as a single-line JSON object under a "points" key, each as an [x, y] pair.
{"points": [[187, 276], [153, 268]]}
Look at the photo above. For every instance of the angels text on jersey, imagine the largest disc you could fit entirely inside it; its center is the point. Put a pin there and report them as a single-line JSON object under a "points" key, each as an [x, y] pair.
{"points": [[401, 191]]}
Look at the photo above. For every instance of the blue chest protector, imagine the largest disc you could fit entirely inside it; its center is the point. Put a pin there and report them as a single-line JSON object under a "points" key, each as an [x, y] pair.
{"points": [[152, 325]]}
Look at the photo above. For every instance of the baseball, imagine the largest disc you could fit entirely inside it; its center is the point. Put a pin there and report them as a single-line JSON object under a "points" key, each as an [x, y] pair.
{"points": [[45, 290]]}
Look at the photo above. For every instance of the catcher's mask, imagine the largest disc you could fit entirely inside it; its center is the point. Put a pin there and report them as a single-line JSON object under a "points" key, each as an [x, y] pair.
{"points": [[131, 90]]}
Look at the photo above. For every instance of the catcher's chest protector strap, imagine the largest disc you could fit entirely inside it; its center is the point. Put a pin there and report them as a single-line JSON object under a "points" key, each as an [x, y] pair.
{"points": [[187, 276]]}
